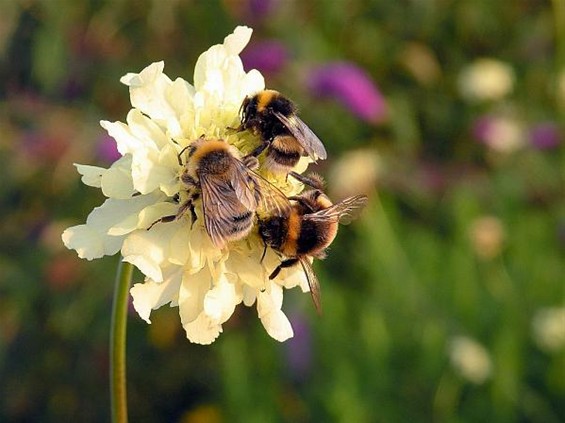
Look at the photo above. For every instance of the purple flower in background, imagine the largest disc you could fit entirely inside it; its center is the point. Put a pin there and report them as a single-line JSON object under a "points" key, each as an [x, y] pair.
{"points": [[251, 11], [260, 9], [545, 135], [299, 348], [266, 56], [351, 86], [107, 150]]}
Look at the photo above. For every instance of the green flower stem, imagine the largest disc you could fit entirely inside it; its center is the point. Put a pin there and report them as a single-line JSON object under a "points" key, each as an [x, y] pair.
{"points": [[118, 393]]}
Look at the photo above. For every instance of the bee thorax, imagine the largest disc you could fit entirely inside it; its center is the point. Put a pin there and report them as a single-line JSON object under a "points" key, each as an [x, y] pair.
{"points": [[216, 162]]}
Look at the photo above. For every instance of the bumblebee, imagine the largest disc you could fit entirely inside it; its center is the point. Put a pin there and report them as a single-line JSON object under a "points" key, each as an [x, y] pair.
{"points": [[283, 134], [229, 190], [304, 233]]}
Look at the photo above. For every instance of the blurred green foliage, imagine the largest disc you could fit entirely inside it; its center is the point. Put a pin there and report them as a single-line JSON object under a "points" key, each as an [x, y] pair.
{"points": [[419, 269]]}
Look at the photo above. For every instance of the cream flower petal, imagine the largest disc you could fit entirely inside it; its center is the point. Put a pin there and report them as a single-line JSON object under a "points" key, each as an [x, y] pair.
{"points": [[277, 325], [92, 240], [274, 320], [249, 295], [148, 250], [116, 182], [143, 139], [202, 330], [147, 90], [200, 248], [144, 219], [245, 263], [220, 301], [91, 175], [191, 294], [236, 42], [179, 252], [294, 276], [152, 295], [165, 101]]}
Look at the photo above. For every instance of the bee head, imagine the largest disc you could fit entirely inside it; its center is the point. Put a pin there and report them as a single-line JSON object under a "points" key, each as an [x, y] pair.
{"points": [[270, 230], [248, 109]]}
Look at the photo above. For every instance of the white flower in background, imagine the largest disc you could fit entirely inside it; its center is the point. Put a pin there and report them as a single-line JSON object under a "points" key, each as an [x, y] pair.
{"points": [[182, 266], [549, 328], [357, 171], [502, 133], [487, 236], [470, 359], [486, 80]]}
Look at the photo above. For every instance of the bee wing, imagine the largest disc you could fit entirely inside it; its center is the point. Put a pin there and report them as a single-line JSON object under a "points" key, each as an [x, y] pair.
{"points": [[344, 211], [271, 200], [220, 204], [245, 185], [313, 283], [304, 135]]}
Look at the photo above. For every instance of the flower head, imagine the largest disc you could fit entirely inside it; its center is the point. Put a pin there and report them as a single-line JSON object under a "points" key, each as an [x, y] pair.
{"points": [[486, 80], [549, 328], [470, 359], [545, 135], [182, 266], [502, 134], [487, 234], [268, 56]]}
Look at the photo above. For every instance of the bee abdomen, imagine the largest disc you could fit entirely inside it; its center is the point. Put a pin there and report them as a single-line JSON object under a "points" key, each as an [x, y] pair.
{"points": [[281, 155], [243, 217], [241, 224]]}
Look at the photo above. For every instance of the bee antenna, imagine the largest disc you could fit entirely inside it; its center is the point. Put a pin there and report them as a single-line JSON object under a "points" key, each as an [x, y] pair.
{"points": [[180, 153]]}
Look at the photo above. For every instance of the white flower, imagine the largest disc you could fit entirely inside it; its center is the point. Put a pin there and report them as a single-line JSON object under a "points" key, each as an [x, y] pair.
{"points": [[356, 171], [549, 328], [486, 80], [487, 234], [504, 134], [182, 266], [470, 359]]}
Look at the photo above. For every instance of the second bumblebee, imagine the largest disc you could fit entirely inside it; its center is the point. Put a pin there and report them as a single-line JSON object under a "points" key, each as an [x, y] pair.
{"points": [[273, 117]]}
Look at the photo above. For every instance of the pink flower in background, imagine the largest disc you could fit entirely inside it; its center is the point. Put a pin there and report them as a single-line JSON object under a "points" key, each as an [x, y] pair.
{"points": [[265, 56], [260, 9], [504, 134], [545, 135], [351, 86], [299, 348], [107, 150], [251, 11]]}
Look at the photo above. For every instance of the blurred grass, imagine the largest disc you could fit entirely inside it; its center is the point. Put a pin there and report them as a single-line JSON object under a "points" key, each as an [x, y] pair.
{"points": [[398, 285]]}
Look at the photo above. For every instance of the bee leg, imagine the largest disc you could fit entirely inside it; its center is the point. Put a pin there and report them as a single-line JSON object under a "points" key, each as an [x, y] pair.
{"points": [[164, 219], [240, 128], [302, 202], [264, 252], [315, 181], [286, 263], [251, 162], [193, 216], [182, 210], [259, 149]]}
